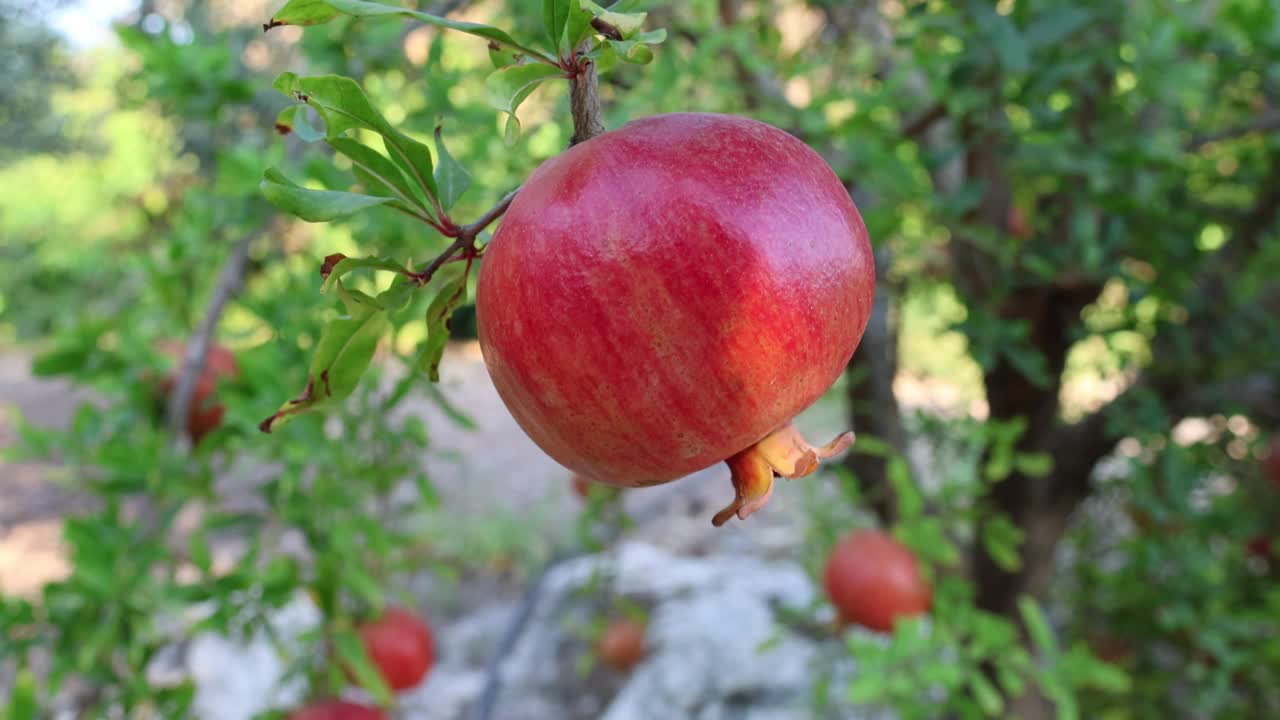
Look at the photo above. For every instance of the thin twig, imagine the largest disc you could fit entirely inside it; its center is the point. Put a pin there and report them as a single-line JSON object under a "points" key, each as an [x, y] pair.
{"points": [[465, 239], [197, 349]]}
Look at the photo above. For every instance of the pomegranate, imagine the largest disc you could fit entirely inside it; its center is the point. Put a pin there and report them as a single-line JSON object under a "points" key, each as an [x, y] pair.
{"points": [[203, 417], [622, 645], [1271, 464], [873, 579], [401, 646], [670, 295], [336, 710]]}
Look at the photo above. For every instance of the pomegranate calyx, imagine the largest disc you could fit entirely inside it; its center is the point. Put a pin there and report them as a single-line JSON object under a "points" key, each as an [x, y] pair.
{"points": [[782, 453]]}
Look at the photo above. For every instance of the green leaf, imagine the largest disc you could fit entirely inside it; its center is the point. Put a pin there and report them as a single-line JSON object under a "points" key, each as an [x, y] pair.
{"points": [[910, 499], [555, 13], [508, 87], [577, 27], [1037, 626], [313, 205], [1033, 464], [22, 697], [1052, 27], [317, 12], [398, 295], [343, 106], [341, 357], [637, 50], [451, 411], [352, 655], [201, 555], [626, 23], [1010, 46], [452, 180], [511, 133], [453, 291], [1001, 539], [985, 693], [337, 265], [373, 168]]}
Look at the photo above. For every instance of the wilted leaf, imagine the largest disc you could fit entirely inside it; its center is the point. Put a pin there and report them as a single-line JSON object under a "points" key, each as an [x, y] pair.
{"points": [[452, 293]]}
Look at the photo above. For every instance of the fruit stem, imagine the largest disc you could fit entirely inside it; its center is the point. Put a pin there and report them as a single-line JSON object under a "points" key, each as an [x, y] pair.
{"points": [[782, 453]]}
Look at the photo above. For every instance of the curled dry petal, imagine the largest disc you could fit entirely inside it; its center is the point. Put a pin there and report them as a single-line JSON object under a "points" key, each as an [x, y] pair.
{"points": [[784, 453]]}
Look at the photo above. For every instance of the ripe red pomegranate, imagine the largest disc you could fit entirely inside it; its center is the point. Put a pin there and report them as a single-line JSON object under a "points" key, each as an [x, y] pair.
{"points": [[401, 646], [873, 579], [622, 645], [670, 295], [337, 710]]}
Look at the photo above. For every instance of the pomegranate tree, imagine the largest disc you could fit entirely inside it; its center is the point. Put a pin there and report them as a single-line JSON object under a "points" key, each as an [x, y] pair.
{"points": [[873, 579], [401, 646], [670, 295]]}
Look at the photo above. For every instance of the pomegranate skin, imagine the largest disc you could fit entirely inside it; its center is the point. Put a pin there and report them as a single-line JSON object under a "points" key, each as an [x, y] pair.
{"points": [[401, 646], [665, 295], [873, 579]]}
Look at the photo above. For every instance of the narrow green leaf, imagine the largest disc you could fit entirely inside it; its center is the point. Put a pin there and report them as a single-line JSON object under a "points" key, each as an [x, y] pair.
{"points": [[508, 87], [341, 357], [554, 15], [22, 697], [352, 655], [426, 490], [1033, 464], [511, 133], [986, 694], [317, 12], [453, 291], [1001, 540], [313, 205], [343, 106], [201, 555], [577, 27], [374, 169], [1037, 626], [451, 411], [337, 265], [398, 295], [452, 180]]}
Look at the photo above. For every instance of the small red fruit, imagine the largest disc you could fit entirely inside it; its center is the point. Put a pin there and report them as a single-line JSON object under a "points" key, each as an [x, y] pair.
{"points": [[622, 645], [337, 710], [401, 646], [1271, 464], [873, 579], [1260, 547], [202, 418], [669, 295]]}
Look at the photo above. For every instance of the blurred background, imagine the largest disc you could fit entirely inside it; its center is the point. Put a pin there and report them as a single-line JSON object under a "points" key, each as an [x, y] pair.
{"points": [[1065, 400]]}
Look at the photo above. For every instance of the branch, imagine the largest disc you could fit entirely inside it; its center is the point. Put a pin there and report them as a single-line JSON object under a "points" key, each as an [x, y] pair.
{"points": [[1267, 121], [584, 99], [464, 239], [229, 280]]}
